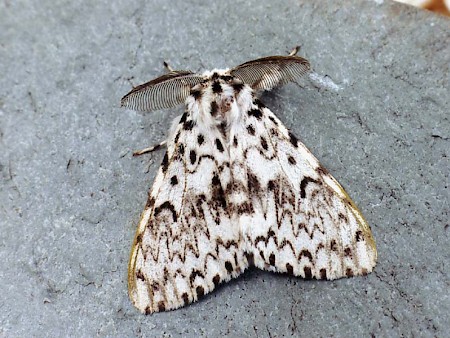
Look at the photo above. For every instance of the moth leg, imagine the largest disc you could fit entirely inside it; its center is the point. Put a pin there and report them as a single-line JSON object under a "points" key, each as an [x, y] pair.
{"points": [[168, 68], [294, 51], [172, 131], [150, 149]]}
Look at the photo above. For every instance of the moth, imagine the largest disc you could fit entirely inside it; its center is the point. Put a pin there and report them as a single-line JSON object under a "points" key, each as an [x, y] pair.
{"points": [[236, 188]]}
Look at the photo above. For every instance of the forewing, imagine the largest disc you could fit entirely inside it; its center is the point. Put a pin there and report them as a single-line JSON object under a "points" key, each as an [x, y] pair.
{"points": [[269, 72], [165, 91], [185, 243], [299, 219]]}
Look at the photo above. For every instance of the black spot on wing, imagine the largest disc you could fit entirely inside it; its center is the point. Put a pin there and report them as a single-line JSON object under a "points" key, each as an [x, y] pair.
{"points": [[188, 125], [219, 145], [322, 171], [150, 202], [274, 132], [183, 118], [165, 163], [200, 291], [193, 156], [181, 148], [342, 217], [185, 298], [217, 195], [303, 185], [216, 87], [359, 236], [214, 108], [177, 137], [256, 113], [253, 184], [139, 238], [215, 180], [237, 87], [250, 257], [140, 275], [292, 160], [200, 200], [289, 269], [194, 274], [197, 94], [251, 130], [259, 104], [333, 245], [174, 180], [264, 143], [348, 252], [272, 259], [226, 77], [161, 306], [200, 139], [222, 128], [166, 206], [293, 140], [229, 266], [273, 120], [305, 253], [307, 271], [216, 280]]}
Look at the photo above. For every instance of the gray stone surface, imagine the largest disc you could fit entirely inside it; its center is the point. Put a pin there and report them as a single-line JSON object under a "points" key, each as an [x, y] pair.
{"points": [[71, 194]]}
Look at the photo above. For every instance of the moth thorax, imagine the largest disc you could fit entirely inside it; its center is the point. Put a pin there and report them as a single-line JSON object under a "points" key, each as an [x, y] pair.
{"points": [[223, 98], [224, 109], [221, 106], [219, 99]]}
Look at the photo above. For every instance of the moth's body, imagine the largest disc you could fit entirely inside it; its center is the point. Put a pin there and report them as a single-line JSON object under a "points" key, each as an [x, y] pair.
{"points": [[237, 188]]}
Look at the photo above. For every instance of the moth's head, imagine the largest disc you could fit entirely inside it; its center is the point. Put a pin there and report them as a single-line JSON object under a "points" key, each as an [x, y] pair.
{"points": [[222, 86], [217, 93], [219, 79]]}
